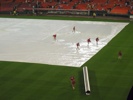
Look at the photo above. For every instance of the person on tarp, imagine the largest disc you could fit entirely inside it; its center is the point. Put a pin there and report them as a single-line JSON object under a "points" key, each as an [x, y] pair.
{"points": [[73, 29], [88, 41], [72, 79], [54, 36], [97, 39], [78, 45]]}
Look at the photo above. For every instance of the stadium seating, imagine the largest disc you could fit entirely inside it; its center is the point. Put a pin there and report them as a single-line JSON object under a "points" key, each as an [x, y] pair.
{"points": [[6, 1], [131, 12], [113, 6], [7, 7], [48, 4], [19, 1], [119, 10], [81, 6]]}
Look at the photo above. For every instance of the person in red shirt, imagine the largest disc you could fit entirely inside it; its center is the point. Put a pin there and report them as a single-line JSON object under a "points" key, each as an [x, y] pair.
{"points": [[97, 39], [72, 79], [54, 36], [78, 45], [119, 55], [88, 41]]}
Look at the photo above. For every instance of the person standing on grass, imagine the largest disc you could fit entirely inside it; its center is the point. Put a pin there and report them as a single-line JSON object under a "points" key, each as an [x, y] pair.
{"points": [[119, 55], [72, 79], [94, 15]]}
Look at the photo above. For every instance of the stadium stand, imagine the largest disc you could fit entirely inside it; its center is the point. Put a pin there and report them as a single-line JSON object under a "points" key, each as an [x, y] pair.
{"points": [[81, 6], [131, 12], [117, 7], [120, 10]]}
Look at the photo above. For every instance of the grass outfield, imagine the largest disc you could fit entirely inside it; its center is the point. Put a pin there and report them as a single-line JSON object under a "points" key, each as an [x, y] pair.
{"points": [[110, 78]]}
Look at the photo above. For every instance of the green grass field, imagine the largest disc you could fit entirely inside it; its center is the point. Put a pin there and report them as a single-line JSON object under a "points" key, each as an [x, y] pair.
{"points": [[110, 78]]}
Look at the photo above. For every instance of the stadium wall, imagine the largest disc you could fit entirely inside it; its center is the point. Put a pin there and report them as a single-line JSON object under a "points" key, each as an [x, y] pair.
{"points": [[72, 12]]}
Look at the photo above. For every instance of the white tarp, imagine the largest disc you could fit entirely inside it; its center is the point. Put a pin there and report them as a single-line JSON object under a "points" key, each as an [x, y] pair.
{"points": [[31, 40]]}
